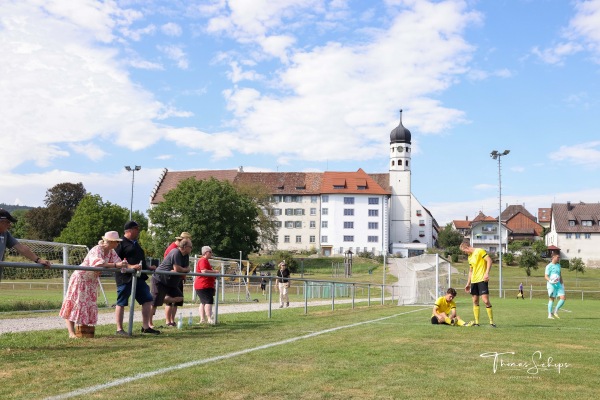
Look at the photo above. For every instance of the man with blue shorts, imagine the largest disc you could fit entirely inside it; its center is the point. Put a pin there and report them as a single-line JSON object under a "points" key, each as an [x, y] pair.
{"points": [[131, 250], [555, 289]]}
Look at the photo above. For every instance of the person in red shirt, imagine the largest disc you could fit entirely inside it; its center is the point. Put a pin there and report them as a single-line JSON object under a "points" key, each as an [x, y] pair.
{"points": [[205, 286], [171, 308]]}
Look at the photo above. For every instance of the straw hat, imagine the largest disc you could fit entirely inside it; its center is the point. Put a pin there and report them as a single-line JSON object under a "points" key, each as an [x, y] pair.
{"points": [[184, 235], [111, 236]]}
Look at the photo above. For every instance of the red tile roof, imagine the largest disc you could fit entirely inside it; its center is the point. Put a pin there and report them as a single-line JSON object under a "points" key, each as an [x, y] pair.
{"points": [[512, 210], [358, 182], [544, 214]]}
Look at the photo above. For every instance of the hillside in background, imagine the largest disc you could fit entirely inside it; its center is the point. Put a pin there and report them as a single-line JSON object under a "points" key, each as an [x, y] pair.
{"points": [[11, 208]]}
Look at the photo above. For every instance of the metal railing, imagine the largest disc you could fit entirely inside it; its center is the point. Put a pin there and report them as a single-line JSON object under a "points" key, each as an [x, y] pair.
{"points": [[350, 287]]}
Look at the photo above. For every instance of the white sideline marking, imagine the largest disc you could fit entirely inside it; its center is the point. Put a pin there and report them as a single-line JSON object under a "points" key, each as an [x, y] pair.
{"points": [[150, 374]]}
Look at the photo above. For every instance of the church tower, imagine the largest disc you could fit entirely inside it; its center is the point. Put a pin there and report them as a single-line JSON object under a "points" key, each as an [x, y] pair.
{"points": [[400, 212]]}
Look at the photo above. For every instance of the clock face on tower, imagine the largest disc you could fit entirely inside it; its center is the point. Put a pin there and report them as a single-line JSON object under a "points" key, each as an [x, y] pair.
{"points": [[400, 149]]}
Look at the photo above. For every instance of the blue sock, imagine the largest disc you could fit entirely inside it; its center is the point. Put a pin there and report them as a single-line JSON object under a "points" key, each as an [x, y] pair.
{"points": [[550, 303], [559, 305]]}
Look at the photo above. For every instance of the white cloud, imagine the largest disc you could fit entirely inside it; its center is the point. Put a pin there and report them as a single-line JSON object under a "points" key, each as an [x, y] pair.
{"points": [[171, 29], [517, 169], [136, 34], [177, 54], [90, 150], [485, 186], [587, 154], [582, 34]]}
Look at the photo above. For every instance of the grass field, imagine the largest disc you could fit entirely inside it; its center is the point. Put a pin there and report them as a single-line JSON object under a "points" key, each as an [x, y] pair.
{"points": [[377, 352]]}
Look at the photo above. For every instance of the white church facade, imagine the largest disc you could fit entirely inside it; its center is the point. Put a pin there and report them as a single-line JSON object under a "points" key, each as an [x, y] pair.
{"points": [[333, 212]]}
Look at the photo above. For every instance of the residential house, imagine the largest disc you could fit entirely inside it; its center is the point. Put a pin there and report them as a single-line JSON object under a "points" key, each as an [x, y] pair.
{"points": [[521, 223], [575, 231]]}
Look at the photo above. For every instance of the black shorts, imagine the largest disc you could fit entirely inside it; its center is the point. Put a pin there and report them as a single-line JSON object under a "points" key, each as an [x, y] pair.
{"points": [[180, 303], [479, 288], [207, 296], [160, 290], [434, 320]]}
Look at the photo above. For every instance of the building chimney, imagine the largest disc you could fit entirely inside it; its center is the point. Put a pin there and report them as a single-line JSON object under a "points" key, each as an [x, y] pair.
{"points": [[568, 206]]}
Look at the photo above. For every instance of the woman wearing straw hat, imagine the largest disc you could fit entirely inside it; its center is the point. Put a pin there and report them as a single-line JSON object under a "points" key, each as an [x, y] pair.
{"points": [[79, 306]]}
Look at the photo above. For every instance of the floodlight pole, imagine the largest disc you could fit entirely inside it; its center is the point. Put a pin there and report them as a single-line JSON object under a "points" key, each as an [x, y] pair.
{"points": [[132, 170], [498, 156]]}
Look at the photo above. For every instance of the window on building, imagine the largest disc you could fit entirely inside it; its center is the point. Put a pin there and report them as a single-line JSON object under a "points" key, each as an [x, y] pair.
{"points": [[373, 239], [287, 199], [323, 239], [578, 236], [348, 225], [289, 211], [348, 211], [348, 238], [421, 233], [313, 224], [373, 225], [276, 238], [348, 200], [298, 211], [298, 224], [586, 223], [568, 235], [407, 163], [418, 213], [313, 211], [325, 199], [373, 200], [312, 239], [421, 222], [298, 239], [373, 213], [588, 235], [324, 224], [289, 224], [277, 211], [314, 199], [571, 222], [286, 239], [277, 224], [325, 211]]}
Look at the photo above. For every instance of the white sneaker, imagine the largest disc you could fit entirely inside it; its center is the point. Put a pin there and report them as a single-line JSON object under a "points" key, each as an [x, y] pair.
{"points": [[550, 316]]}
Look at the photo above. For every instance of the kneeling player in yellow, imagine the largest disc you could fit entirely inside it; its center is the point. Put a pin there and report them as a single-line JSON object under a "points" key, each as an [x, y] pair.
{"points": [[444, 310]]}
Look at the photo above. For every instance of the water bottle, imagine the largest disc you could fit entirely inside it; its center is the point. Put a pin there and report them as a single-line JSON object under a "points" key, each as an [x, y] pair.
{"points": [[124, 269], [190, 320], [180, 322]]}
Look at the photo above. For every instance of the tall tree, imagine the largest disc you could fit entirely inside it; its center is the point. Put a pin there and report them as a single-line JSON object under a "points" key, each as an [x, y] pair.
{"points": [[94, 217], [46, 223], [215, 214], [449, 237], [266, 220], [528, 260]]}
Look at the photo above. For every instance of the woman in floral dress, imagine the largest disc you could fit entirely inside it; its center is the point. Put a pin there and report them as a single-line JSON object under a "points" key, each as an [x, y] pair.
{"points": [[79, 306]]}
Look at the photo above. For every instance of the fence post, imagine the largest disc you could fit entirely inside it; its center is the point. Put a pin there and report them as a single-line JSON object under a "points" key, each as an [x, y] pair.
{"points": [[132, 302], [332, 296], [217, 288], [270, 295], [369, 294], [305, 297], [382, 294]]}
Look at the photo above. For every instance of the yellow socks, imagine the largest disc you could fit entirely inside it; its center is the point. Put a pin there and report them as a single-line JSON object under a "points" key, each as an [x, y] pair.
{"points": [[460, 322], [476, 313], [448, 321], [490, 314]]}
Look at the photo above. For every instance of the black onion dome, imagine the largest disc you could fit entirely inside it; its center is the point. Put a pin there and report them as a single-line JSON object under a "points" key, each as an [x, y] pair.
{"points": [[400, 134]]}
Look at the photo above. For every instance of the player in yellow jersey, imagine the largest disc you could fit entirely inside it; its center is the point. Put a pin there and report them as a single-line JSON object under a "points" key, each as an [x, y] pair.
{"points": [[444, 310], [480, 264]]}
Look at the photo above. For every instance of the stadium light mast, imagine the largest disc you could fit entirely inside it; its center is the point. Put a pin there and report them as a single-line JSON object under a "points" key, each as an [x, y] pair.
{"points": [[132, 170], [496, 155]]}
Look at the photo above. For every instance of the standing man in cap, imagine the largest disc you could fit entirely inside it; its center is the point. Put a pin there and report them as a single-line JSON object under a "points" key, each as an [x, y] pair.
{"points": [[283, 284], [131, 250], [7, 241], [171, 308]]}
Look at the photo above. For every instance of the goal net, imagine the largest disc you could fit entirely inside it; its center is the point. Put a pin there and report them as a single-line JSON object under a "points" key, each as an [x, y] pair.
{"points": [[422, 279]]}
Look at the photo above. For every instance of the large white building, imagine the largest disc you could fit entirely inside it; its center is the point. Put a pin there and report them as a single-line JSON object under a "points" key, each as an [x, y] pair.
{"points": [[333, 212]]}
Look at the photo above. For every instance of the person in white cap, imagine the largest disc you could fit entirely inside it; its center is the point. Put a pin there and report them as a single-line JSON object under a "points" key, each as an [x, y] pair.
{"points": [[79, 305], [283, 284], [205, 286]]}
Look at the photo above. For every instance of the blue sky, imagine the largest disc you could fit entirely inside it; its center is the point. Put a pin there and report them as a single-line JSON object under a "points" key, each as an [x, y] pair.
{"points": [[87, 87]]}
